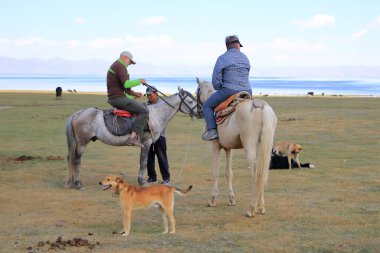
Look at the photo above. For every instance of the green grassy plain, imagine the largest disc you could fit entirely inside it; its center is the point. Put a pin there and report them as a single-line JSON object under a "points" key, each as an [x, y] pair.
{"points": [[332, 208]]}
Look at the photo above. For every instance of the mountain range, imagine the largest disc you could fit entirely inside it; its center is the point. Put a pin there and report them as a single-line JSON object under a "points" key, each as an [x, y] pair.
{"points": [[58, 66]]}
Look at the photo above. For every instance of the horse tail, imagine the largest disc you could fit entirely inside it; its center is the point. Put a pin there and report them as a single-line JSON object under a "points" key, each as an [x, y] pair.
{"points": [[72, 146], [265, 144]]}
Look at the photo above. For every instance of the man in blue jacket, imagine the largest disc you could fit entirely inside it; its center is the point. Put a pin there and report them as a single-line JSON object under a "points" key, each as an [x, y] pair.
{"points": [[230, 76]]}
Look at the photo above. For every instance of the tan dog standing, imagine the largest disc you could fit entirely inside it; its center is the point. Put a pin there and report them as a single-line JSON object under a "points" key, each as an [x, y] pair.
{"points": [[137, 197], [291, 150]]}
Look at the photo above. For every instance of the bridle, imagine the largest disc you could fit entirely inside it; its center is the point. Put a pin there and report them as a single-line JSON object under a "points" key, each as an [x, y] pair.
{"points": [[182, 102], [199, 102]]}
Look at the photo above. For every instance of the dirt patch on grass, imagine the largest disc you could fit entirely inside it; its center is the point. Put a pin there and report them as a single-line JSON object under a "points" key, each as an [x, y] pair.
{"points": [[51, 157], [60, 244], [4, 107], [24, 158]]}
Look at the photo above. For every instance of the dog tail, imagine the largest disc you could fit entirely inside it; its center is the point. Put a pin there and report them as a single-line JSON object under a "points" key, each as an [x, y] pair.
{"points": [[183, 191]]}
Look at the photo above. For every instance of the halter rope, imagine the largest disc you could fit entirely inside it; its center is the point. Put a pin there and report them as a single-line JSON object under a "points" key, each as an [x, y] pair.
{"points": [[191, 126]]}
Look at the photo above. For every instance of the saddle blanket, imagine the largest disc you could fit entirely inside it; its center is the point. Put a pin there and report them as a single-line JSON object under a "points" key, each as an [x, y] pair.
{"points": [[224, 109], [118, 125]]}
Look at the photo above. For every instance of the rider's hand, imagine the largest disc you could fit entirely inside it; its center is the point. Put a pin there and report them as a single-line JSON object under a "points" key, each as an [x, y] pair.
{"points": [[138, 94], [143, 81]]}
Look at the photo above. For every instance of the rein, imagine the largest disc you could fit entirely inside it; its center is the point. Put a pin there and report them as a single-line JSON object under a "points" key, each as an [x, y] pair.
{"points": [[199, 102], [191, 115], [191, 109]]}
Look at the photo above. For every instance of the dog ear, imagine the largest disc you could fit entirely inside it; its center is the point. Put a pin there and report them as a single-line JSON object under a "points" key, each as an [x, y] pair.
{"points": [[119, 180]]}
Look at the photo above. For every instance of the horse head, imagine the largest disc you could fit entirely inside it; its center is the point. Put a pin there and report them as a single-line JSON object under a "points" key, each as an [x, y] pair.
{"points": [[204, 90], [188, 104]]}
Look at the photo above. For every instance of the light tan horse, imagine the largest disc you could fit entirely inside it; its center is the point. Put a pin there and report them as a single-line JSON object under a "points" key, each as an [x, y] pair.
{"points": [[251, 126]]}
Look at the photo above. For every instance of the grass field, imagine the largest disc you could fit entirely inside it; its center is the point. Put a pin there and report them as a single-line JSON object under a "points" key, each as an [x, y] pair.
{"points": [[332, 208]]}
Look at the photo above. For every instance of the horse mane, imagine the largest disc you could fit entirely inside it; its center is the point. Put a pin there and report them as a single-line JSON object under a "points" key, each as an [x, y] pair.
{"points": [[208, 84]]}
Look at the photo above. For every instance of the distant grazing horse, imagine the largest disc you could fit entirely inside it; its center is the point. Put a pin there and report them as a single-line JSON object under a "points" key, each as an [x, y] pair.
{"points": [[58, 93], [88, 125], [251, 126]]}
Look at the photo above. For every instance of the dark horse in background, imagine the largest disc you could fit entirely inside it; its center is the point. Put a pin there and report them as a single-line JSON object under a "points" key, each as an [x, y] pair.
{"points": [[58, 93]]}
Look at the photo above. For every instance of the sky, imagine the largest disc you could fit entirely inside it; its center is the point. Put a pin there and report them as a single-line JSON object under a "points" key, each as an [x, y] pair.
{"points": [[283, 33]]}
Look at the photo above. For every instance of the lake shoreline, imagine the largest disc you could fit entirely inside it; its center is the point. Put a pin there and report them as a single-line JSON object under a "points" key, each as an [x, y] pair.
{"points": [[254, 95]]}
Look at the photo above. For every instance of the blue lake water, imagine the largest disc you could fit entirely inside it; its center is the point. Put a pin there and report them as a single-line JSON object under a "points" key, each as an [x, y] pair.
{"points": [[268, 85]]}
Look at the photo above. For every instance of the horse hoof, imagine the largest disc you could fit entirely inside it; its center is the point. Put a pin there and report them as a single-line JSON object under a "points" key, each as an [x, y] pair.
{"points": [[232, 203], [211, 203], [142, 182], [75, 185], [261, 211], [249, 214]]}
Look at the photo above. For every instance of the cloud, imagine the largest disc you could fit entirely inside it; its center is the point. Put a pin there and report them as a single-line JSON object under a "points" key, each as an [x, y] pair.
{"points": [[320, 20], [283, 44], [28, 42], [105, 43], [73, 43], [360, 34], [375, 23], [153, 20], [80, 20]]}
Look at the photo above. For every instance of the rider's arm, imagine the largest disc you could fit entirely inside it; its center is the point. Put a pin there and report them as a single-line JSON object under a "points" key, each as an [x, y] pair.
{"points": [[217, 75], [132, 93], [131, 83], [128, 84]]}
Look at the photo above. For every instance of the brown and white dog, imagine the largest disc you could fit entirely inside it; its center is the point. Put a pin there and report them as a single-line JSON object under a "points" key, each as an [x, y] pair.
{"points": [[138, 197], [291, 150]]}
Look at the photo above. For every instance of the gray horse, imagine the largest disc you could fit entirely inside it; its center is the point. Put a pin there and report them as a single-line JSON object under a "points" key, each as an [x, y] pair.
{"points": [[88, 125], [251, 126]]}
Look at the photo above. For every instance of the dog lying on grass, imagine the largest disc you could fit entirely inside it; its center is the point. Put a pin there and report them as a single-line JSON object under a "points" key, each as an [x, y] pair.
{"points": [[290, 150], [281, 162], [138, 197]]}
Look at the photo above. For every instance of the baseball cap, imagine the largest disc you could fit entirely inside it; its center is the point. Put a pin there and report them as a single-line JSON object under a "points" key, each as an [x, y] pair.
{"points": [[130, 56], [232, 39], [150, 90]]}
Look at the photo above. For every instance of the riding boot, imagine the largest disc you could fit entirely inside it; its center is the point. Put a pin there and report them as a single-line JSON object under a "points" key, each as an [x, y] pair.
{"points": [[135, 142], [210, 135]]}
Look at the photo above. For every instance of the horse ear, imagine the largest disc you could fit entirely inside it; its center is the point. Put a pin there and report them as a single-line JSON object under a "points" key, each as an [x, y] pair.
{"points": [[198, 81], [180, 90]]}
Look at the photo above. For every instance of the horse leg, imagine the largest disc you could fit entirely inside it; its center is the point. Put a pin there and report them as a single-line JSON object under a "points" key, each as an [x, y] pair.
{"points": [[143, 164], [75, 151], [215, 149], [261, 209], [73, 180], [229, 176], [251, 158]]}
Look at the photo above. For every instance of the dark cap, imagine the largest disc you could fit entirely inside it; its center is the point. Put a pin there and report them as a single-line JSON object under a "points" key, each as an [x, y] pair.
{"points": [[150, 90], [232, 39]]}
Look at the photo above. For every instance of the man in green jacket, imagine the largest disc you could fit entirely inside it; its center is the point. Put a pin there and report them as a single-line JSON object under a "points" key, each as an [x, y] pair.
{"points": [[121, 96]]}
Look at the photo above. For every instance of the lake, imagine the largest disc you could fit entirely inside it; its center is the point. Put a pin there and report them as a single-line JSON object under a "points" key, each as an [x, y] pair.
{"points": [[169, 84]]}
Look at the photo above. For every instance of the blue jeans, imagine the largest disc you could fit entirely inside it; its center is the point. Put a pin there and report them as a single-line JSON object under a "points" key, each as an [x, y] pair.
{"points": [[213, 101]]}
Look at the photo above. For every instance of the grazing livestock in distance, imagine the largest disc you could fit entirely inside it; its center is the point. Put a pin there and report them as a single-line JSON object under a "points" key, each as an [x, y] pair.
{"points": [[58, 93]]}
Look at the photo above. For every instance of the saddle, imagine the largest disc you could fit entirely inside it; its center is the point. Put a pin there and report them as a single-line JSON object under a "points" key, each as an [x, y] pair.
{"points": [[228, 106], [118, 122]]}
